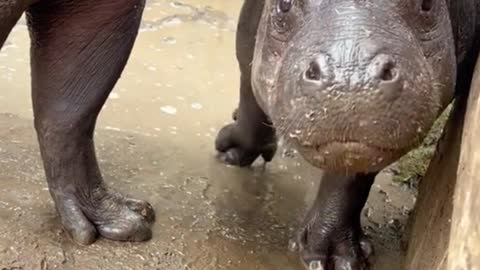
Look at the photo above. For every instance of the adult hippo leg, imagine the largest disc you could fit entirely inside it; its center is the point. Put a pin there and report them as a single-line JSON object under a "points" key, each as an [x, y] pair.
{"points": [[331, 236], [252, 133], [79, 49]]}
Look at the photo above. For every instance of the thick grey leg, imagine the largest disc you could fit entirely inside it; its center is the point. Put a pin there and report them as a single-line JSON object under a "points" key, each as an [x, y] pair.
{"points": [[252, 133], [331, 236], [79, 49]]}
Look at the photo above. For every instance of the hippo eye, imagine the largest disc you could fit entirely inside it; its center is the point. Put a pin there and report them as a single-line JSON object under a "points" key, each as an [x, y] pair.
{"points": [[285, 5], [427, 5]]}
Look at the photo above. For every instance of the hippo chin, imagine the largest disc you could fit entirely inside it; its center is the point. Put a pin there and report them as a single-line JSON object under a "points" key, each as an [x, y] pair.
{"points": [[353, 85]]}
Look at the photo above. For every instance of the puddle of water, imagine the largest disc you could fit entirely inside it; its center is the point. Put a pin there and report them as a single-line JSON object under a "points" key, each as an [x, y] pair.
{"points": [[155, 140]]}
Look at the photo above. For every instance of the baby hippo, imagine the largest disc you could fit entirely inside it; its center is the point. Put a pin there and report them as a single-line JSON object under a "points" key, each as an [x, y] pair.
{"points": [[353, 85]]}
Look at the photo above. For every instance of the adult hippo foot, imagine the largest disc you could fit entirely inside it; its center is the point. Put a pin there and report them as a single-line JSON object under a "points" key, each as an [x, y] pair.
{"points": [[110, 214], [242, 142], [321, 249], [331, 237]]}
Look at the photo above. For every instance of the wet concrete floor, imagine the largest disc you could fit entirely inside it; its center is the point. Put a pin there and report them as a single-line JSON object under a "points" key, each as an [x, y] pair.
{"points": [[155, 141]]}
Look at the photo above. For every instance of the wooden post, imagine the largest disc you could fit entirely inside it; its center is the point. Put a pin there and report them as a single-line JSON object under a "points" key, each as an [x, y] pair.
{"points": [[445, 226], [464, 250]]}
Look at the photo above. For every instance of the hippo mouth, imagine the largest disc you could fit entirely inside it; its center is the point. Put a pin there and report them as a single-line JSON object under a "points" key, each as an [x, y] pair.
{"points": [[352, 156]]}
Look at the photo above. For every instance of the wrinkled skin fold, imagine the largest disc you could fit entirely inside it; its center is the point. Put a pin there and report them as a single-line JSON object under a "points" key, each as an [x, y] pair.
{"points": [[353, 85]]}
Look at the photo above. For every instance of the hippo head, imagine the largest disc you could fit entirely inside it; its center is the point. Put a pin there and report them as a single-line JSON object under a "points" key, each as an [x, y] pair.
{"points": [[354, 84]]}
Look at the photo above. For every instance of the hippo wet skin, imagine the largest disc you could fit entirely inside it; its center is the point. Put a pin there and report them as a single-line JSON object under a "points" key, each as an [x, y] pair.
{"points": [[353, 85]]}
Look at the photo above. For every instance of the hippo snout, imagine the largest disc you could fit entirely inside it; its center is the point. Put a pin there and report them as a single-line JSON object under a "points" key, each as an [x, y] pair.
{"points": [[357, 98], [383, 67], [382, 72]]}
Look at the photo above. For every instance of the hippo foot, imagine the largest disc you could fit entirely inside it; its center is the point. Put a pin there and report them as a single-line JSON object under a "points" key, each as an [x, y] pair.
{"points": [[240, 145], [324, 249], [104, 212]]}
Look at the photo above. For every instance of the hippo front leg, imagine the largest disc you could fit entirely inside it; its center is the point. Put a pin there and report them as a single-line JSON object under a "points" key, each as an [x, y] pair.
{"points": [[252, 134], [331, 236], [79, 49]]}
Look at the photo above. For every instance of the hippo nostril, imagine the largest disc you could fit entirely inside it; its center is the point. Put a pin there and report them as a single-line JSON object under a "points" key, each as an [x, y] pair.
{"points": [[318, 69], [387, 73], [384, 68], [314, 71], [427, 5]]}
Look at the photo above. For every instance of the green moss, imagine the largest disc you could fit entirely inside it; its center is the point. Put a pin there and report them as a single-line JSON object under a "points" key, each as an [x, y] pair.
{"points": [[413, 166]]}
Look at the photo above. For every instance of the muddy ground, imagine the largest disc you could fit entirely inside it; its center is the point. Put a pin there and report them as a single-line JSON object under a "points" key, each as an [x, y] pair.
{"points": [[155, 141]]}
